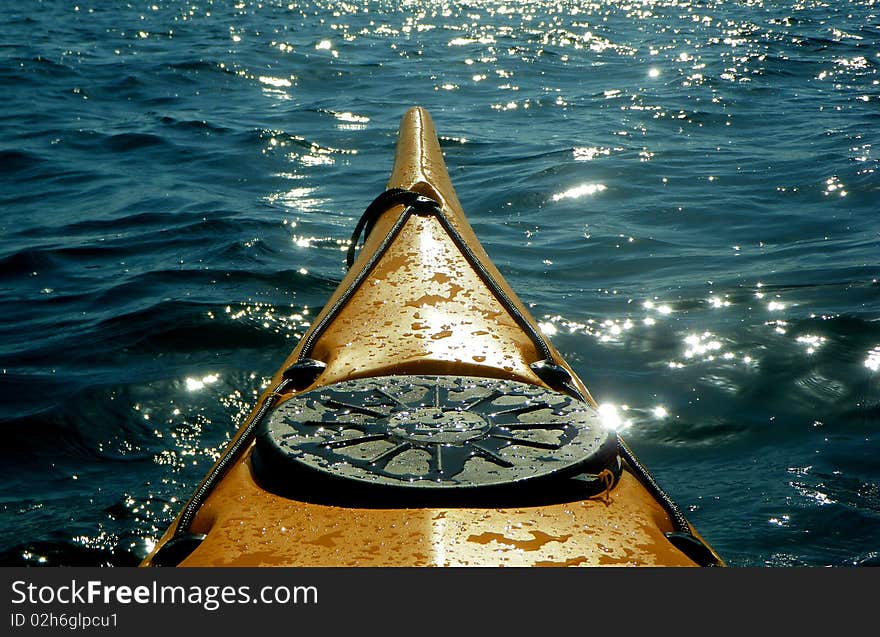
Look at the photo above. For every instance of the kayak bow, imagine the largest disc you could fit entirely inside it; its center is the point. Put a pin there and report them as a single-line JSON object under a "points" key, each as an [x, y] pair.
{"points": [[425, 420]]}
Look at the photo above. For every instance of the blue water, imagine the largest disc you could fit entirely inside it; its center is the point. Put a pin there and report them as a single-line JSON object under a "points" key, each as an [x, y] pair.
{"points": [[684, 192]]}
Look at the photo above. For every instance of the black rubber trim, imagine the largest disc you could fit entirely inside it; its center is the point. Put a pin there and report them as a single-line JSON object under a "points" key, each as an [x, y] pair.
{"points": [[690, 545], [177, 549]]}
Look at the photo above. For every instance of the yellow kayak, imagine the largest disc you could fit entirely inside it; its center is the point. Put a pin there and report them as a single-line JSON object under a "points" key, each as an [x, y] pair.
{"points": [[425, 420]]}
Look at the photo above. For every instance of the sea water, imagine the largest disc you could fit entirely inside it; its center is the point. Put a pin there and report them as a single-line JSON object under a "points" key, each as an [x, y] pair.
{"points": [[683, 192]]}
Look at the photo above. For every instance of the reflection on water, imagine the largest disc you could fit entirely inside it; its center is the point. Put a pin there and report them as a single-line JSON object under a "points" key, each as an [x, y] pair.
{"points": [[873, 360]]}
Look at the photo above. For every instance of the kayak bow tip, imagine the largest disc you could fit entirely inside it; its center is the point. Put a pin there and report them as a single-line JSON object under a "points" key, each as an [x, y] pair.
{"points": [[418, 164]]}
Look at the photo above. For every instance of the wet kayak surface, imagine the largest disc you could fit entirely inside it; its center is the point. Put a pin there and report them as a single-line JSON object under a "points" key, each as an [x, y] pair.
{"points": [[682, 194]]}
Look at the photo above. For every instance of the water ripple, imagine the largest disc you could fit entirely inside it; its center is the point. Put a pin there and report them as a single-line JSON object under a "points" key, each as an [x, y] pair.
{"points": [[683, 192]]}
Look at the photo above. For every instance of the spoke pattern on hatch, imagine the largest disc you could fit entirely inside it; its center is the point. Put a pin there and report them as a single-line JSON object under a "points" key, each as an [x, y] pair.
{"points": [[445, 425]]}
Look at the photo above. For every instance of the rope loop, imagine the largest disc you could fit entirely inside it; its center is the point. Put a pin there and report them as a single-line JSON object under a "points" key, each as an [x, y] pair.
{"points": [[606, 477], [388, 199]]}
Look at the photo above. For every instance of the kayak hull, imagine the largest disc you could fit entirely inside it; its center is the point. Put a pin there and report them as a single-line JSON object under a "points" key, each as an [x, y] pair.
{"points": [[421, 298]]}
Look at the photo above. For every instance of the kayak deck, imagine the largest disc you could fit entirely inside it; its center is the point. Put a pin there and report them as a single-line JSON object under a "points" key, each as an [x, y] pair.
{"points": [[422, 300], [247, 526]]}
